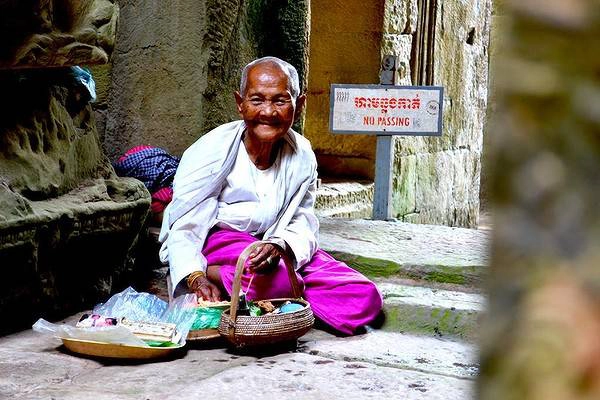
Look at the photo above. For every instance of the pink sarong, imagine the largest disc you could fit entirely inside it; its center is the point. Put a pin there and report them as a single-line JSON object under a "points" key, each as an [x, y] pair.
{"points": [[339, 296]]}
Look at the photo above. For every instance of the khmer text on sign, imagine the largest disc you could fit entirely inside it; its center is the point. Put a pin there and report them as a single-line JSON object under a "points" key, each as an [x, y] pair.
{"points": [[389, 110]]}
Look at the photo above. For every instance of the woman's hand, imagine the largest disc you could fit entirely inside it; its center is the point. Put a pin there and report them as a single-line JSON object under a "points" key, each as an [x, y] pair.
{"points": [[205, 289], [264, 258]]}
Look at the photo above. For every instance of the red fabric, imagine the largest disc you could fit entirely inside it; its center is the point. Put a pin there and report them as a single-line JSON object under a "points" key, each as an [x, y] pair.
{"points": [[160, 199], [133, 150]]}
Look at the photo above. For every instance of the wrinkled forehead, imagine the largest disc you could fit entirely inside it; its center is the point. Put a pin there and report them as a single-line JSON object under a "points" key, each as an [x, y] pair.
{"points": [[267, 71]]}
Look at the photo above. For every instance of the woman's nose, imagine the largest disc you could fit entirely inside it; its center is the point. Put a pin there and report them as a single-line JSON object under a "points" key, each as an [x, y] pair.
{"points": [[268, 109]]}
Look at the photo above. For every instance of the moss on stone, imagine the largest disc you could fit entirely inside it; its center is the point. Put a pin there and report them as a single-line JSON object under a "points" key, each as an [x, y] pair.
{"points": [[102, 77], [371, 267], [380, 268], [445, 277], [425, 321]]}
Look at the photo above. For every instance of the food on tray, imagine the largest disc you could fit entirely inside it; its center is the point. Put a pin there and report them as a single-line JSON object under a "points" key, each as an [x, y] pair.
{"points": [[205, 303], [95, 320], [152, 331]]}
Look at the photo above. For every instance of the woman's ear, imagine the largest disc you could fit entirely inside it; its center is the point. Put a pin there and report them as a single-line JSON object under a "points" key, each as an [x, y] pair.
{"points": [[300, 102], [238, 100]]}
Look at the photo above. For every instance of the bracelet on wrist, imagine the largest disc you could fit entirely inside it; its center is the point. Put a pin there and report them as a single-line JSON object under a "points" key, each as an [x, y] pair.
{"points": [[191, 278]]}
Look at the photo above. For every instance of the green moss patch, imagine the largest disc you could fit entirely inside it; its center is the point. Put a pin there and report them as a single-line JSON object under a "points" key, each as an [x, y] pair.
{"points": [[380, 268]]}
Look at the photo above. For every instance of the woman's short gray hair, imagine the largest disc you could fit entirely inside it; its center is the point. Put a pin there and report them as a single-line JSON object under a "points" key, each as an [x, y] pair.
{"points": [[290, 71]]}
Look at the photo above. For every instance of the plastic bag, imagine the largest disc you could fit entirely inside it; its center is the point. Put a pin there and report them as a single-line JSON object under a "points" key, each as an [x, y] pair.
{"points": [[147, 307], [133, 305], [83, 76], [130, 304], [110, 334], [207, 318]]}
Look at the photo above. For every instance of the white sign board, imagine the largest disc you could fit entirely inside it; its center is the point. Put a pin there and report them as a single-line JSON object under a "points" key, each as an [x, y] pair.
{"points": [[389, 110]]}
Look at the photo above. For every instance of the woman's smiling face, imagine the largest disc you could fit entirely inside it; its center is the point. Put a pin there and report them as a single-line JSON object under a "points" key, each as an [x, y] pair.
{"points": [[267, 107]]}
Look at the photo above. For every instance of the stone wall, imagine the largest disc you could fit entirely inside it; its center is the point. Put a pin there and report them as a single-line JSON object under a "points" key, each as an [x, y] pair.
{"points": [[541, 336], [436, 179], [68, 225], [176, 66], [344, 48], [52, 33]]}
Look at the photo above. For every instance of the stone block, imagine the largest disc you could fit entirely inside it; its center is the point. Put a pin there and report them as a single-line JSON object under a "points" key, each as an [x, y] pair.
{"points": [[67, 223], [175, 69], [431, 311], [404, 183], [447, 188], [54, 34], [345, 199], [400, 16], [400, 46], [395, 249], [71, 251]]}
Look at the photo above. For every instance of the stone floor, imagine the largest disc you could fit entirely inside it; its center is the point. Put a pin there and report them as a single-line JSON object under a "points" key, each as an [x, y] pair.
{"points": [[371, 366], [426, 349]]}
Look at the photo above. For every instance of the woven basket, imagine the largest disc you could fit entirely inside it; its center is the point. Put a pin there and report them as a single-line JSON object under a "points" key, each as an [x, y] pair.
{"points": [[244, 330]]}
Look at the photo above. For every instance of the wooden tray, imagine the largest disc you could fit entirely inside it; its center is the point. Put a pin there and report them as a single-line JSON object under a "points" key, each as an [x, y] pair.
{"points": [[200, 335], [207, 334], [112, 350]]}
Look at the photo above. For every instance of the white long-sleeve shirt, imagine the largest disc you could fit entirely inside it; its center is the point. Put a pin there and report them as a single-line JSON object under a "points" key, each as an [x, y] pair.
{"points": [[215, 184]]}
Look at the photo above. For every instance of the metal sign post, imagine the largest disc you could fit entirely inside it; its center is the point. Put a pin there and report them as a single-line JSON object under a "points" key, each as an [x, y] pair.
{"points": [[384, 156], [386, 110]]}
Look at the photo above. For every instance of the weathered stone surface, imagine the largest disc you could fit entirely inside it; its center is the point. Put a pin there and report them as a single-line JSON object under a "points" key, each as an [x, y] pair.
{"points": [[404, 194], [417, 353], [447, 170], [303, 376], [345, 47], [159, 74], [48, 140], [541, 337], [344, 199], [48, 33], [443, 181], [400, 17], [400, 46], [69, 251], [430, 311], [371, 366], [67, 223], [177, 65], [379, 248]]}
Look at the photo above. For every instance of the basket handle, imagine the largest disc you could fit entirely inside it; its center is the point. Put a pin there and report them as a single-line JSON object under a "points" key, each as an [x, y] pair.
{"points": [[237, 280]]}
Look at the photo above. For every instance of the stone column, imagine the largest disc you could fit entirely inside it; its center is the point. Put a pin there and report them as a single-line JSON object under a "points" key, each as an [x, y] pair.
{"points": [[436, 179], [541, 338]]}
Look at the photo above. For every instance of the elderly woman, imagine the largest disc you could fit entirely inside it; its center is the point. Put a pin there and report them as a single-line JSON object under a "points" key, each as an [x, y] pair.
{"points": [[255, 179]]}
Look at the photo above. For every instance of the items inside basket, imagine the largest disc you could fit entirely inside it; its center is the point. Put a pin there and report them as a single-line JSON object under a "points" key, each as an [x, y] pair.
{"points": [[265, 307]]}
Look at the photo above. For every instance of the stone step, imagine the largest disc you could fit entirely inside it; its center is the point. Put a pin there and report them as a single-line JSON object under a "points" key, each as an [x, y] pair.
{"points": [[344, 199], [431, 311], [433, 253]]}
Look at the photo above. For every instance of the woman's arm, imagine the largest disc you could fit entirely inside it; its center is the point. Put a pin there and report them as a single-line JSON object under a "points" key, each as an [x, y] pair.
{"points": [[301, 234], [183, 242]]}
